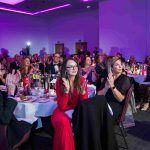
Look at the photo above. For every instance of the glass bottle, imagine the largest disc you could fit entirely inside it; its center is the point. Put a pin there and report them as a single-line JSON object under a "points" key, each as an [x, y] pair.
{"points": [[46, 87], [26, 85]]}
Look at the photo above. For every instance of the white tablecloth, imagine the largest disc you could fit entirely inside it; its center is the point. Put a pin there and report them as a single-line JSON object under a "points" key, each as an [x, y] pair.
{"points": [[91, 90], [139, 79], [30, 111]]}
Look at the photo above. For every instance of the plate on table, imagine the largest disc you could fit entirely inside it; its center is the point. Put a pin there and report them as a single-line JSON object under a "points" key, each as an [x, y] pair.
{"points": [[54, 95], [43, 100], [23, 98]]}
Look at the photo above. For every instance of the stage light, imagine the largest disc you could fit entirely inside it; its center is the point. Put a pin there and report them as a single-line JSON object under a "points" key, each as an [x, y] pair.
{"points": [[28, 43]]}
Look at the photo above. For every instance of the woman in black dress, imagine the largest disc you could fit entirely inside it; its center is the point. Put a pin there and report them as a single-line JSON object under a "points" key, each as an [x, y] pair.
{"points": [[116, 87]]}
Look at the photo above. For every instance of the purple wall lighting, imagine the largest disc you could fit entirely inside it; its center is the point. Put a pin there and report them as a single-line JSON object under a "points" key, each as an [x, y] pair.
{"points": [[11, 2], [35, 13], [86, 0], [17, 11]]}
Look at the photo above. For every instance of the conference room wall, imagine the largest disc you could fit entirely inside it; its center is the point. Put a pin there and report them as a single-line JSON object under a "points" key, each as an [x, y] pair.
{"points": [[71, 27], [16, 29], [124, 26]]}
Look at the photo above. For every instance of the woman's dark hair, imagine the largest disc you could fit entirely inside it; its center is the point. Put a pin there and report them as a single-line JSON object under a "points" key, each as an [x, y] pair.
{"points": [[84, 60], [63, 74], [97, 57]]}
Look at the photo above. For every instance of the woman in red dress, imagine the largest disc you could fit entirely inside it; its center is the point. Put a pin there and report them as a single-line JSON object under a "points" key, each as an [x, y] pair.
{"points": [[69, 89]]}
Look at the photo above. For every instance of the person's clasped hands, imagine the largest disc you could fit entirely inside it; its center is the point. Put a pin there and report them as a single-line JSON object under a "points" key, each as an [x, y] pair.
{"points": [[110, 80], [12, 80]]}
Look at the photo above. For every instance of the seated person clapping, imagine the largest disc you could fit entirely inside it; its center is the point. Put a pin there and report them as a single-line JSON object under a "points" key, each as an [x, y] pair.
{"points": [[54, 66], [88, 71], [116, 87], [15, 133], [69, 88], [26, 68]]}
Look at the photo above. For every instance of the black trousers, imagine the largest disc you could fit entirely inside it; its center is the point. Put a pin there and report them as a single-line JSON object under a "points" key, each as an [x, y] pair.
{"points": [[145, 93]]}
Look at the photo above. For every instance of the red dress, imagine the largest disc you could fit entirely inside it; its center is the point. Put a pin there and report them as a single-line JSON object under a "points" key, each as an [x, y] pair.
{"points": [[63, 137]]}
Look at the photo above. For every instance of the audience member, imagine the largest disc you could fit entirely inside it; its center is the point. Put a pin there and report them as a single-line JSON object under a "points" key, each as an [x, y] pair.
{"points": [[116, 87], [69, 89]]}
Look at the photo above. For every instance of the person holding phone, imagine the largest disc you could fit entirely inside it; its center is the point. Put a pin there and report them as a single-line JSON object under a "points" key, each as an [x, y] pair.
{"points": [[16, 134], [70, 87]]}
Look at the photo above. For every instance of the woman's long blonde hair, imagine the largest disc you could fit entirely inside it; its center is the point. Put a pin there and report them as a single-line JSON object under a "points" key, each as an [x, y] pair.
{"points": [[23, 69]]}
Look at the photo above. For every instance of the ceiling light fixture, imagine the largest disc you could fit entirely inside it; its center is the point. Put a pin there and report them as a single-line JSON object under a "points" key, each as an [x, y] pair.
{"points": [[11, 2], [85, 0], [35, 13], [88, 6], [50, 9], [17, 11]]}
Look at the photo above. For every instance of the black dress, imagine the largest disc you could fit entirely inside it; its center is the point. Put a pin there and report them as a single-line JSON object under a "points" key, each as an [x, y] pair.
{"points": [[122, 84], [15, 129]]}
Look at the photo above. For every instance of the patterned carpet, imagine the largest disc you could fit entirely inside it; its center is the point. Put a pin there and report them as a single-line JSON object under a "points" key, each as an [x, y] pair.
{"points": [[138, 137]]}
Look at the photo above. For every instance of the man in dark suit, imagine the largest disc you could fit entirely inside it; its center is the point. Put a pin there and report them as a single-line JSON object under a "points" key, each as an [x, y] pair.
{"points": [[54, 66], [15, 64]]}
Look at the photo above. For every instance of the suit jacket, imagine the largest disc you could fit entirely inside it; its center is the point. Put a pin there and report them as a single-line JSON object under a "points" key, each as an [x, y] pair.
{"points": [[50, 68], [14, 65], [93, 125], [42, 68]]}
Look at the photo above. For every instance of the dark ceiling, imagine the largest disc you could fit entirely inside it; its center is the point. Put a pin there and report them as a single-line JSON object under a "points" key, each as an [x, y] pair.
{"points": [[33, 6]]}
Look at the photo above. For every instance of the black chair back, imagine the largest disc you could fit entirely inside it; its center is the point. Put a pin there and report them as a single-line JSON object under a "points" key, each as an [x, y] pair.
{"points": [[126, 104], [122, 117]]}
